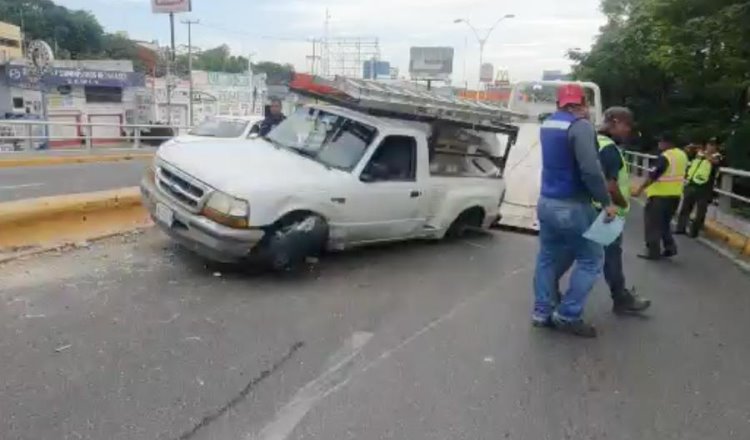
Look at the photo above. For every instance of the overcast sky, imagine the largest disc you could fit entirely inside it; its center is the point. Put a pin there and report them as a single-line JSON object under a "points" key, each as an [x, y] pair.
{"points": [[275, 30]]}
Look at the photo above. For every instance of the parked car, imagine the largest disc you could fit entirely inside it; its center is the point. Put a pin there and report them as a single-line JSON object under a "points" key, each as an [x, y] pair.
{"points": [[221, 129]]}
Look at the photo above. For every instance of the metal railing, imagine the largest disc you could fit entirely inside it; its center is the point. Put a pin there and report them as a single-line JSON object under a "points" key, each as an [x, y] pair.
{"points": [[32, 135], [641, 164]]}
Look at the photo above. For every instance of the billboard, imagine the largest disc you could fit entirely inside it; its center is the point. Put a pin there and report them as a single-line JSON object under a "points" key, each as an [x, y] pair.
{"points": [[167, 6], [431, 63], [486, 72]]}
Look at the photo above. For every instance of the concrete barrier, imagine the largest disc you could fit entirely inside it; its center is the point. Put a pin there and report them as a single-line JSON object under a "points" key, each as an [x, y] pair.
{"points": [[52, 159], [714, 230], [52, 221]]}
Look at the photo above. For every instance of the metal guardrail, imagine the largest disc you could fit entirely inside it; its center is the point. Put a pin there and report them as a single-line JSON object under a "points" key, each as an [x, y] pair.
{"points": [[641, 164], [27, 135]]}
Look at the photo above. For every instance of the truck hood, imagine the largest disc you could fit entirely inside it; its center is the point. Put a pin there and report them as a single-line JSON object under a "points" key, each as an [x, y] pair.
{"points": [[190, 139], [245, 166]]}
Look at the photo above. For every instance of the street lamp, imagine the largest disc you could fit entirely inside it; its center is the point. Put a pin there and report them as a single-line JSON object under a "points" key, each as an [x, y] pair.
{"points": [[482, 40]]}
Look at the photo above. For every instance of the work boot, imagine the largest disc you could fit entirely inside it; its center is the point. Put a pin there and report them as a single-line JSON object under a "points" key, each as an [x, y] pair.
{"points": [[649, 256], [578, 327], [543, 322], [629, 302]]}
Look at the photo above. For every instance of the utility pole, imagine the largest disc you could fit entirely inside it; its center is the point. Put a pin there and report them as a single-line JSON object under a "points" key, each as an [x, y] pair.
{"points": [[170, 61], [190, 24]]}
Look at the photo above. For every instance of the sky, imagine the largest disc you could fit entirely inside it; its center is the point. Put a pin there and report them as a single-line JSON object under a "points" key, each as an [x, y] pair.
{"points": [[276, 30]]}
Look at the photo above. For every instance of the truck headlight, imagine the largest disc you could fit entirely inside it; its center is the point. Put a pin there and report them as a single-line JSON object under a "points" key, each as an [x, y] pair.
{"points": [[227, 210]]}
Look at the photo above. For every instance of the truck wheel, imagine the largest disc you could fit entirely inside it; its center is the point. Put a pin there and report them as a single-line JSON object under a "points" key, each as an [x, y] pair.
{"points": [[465, 222], [294, 240]]}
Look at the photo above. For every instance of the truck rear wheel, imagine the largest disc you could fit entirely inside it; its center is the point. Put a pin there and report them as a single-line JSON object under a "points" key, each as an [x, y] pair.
{"points": [[468, 220]]}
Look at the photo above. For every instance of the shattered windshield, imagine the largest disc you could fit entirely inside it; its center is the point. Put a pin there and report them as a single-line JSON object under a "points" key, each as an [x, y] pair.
{"points": [[333, 140]]}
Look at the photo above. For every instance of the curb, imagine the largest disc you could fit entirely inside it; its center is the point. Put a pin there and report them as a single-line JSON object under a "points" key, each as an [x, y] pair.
{"points": [[63, 160], [48, 221], [718, 232]]}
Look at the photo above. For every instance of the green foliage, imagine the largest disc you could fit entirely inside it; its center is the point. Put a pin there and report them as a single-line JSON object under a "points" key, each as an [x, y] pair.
{"points": [[682, 65], [75, 33], [276, 73]]}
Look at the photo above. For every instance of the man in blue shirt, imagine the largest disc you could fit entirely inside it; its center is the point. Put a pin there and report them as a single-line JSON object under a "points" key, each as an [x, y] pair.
{"points": [[571, 179], [617, 128]]}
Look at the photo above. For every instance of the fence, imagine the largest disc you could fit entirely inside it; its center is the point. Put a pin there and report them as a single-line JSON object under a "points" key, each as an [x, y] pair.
{"points": [[730, 209], [28, 135]]}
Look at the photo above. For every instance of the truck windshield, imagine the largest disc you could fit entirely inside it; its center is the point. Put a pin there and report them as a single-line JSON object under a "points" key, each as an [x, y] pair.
{"points": [[331, 139], [220, 128]]}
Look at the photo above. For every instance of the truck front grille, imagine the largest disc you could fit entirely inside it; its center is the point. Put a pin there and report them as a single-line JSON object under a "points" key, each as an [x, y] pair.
{"points": [[181, 187]]}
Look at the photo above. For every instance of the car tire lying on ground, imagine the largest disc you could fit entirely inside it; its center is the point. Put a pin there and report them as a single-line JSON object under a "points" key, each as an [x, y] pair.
{"points": [[293, 240]]}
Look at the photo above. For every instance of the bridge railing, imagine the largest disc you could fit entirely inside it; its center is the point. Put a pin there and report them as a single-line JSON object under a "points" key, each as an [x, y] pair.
{"points": [[31, 135], [730, 209]]}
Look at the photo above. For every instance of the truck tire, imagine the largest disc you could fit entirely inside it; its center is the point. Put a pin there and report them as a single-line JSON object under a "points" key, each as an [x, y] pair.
{"points": [[471, 218], [293, 240]]}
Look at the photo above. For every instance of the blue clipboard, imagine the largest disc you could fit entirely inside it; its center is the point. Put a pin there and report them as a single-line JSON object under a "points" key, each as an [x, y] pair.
{"points": [[605, 233]]}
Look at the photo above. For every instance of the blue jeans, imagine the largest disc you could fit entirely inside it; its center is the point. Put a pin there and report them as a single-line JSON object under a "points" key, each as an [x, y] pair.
{"points": [[561, 227]]}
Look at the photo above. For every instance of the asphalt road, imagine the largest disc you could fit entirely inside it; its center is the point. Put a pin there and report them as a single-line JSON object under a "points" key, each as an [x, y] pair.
{"points": [[135, 339], [29, 182]]}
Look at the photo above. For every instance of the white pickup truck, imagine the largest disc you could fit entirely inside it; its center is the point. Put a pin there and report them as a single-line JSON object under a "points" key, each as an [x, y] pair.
{"points": [[327, 178]]}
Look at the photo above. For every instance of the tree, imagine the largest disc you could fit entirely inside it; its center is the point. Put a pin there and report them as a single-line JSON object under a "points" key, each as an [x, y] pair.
{"points": [[682, 65], [275, 73], [77, 33]]}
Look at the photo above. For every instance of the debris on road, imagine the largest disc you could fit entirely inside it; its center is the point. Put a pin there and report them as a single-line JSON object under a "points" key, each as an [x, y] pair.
{"points": [[63, 348]]}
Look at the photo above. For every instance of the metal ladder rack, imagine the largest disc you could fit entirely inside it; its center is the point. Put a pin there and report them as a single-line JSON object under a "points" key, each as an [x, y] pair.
{"points": [[405, 101]]}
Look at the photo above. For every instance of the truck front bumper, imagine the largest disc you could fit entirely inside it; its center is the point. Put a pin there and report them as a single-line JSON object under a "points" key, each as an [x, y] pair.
{"points": [[197, 233]]}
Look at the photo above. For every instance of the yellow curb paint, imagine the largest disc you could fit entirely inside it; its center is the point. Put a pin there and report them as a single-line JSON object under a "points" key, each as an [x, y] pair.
{"points": [[70, 218], [64, 160]]}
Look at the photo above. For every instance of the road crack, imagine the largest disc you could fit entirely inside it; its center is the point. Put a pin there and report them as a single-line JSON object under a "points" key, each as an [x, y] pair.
{"points": [[210, 418]]}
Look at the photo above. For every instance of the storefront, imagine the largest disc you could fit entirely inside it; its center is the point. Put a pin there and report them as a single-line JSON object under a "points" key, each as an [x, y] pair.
{"points": [[76, 96]]}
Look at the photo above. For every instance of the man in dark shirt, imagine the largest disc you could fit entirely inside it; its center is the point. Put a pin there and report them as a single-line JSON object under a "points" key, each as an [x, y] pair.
{"points": [[273, 118], [617, 128]]}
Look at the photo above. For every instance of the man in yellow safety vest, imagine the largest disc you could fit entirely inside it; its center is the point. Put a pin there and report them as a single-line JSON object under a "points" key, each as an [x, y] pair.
{"points": [[617, 128], [664, 188], [699, 189]]}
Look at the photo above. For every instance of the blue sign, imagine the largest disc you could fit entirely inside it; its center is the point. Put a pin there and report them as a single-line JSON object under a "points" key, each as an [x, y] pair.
{"points": [[373, 69], [20, 76]]}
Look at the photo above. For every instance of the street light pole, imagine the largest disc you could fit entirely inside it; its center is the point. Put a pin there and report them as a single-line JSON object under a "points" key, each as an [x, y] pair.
{"points": [[482, 40]]}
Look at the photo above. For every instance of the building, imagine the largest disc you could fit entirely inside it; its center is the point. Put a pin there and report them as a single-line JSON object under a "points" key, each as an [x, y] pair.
{"points": [[11, 42], [73, 92], [374, 69], [214, 93]]}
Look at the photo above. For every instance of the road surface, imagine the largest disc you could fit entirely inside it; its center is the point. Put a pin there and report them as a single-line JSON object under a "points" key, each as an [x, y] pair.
{"points": [[135, 339], [28, 182]]}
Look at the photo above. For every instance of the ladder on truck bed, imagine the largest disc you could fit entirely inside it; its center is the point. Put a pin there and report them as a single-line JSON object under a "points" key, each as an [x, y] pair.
{"points": [[406, 102]]}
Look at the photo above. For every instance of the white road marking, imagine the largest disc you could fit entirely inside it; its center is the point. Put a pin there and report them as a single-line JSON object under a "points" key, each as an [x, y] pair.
{"points": [[24, 185], [303, 401], [331, 381], [476, 245]]}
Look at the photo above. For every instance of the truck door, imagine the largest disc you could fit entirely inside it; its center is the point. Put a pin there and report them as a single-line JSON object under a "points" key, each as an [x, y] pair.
{"points": [[389, 202]]}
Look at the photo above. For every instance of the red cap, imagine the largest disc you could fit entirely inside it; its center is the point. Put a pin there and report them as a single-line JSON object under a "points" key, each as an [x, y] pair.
{"points": [[570, 94]]}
